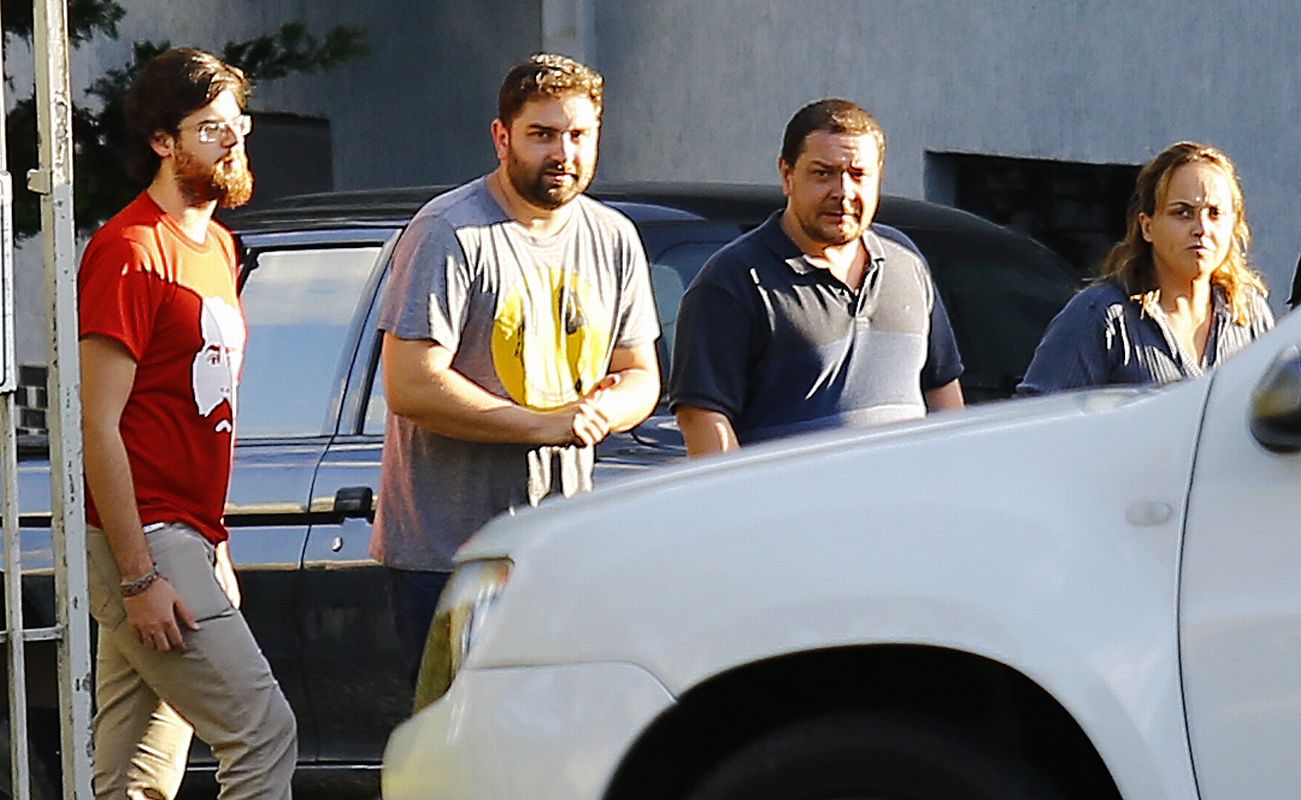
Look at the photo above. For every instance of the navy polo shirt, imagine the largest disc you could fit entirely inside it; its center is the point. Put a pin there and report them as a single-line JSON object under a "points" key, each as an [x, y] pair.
{"points": [[780, 346]]}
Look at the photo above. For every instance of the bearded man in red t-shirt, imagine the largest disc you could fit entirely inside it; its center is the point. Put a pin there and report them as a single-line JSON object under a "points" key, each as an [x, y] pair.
{"points": [[162, 342]]}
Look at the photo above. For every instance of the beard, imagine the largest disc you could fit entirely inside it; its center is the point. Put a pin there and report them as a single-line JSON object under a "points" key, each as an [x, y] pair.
{"points": [[228, 180], [538, 186]]}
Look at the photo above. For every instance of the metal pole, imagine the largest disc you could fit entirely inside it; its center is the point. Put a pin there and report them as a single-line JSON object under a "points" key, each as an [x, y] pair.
{"points": [[18, 746], [53, 180], [18, 741]]}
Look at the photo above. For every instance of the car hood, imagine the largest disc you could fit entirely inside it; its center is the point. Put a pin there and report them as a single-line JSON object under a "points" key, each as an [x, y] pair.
{"points": [[505, 535]]}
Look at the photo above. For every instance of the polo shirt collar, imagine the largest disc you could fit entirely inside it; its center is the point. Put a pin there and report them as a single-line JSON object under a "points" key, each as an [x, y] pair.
{"points": [[776, 240]]}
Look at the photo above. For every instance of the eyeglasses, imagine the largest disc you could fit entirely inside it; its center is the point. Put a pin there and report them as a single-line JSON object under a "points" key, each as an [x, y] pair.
{"points": [[215, 131]]}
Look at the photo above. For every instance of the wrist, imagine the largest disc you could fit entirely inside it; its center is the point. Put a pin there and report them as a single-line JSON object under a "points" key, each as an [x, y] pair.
{"points": [[542, 428], [140, 585]]}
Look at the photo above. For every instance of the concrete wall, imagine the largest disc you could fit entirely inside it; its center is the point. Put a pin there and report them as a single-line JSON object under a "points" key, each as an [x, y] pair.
{"points": [[415, 110], [701, 90]]}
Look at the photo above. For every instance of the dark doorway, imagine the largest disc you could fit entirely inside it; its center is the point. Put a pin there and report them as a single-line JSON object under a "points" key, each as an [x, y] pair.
{"points": [[1076, 209]]}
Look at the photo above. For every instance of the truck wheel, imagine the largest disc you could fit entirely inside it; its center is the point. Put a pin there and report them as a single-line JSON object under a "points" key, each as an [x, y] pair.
{"points": [[876, 755], [42, 787]]}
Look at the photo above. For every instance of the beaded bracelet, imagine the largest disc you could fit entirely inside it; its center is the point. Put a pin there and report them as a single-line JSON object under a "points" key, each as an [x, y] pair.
{"points": [[139, 585]]}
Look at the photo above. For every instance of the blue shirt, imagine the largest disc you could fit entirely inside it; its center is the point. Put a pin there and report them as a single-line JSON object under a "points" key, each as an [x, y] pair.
{"points": [[1103, 336], [780, 346]]}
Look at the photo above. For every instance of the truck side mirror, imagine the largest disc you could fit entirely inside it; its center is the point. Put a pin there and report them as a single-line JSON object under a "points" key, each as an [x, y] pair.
{"points": [[1276, 404]]}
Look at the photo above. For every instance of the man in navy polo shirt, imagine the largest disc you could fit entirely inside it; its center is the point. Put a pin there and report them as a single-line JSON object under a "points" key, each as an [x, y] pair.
{"points": [[817, 318]]}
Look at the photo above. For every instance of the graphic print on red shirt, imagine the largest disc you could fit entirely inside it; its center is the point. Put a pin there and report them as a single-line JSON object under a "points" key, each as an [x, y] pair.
{"points": [[171, 302]]}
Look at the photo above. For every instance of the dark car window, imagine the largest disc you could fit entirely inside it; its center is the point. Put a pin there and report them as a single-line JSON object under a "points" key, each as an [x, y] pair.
{"points": [[377, 406], [999, 304], [677, 251], [299, 305], [672, 271], [1295, 298]]}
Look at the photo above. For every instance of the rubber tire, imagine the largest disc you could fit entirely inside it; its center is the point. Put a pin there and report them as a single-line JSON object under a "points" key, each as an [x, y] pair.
{"points": [[873, 755], [42, 787]]}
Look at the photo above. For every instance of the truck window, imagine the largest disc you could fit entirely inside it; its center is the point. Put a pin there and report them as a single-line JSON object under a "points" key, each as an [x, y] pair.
{"points": [[299, 305], [999, 304], [671, 273], [376, 406]]}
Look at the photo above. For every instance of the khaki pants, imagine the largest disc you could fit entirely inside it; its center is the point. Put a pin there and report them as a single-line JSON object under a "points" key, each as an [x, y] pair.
{"points": [[220, 687]]}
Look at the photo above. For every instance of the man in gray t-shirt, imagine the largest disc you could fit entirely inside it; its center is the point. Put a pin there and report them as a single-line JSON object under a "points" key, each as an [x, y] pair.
{"points": [[519, 330]]}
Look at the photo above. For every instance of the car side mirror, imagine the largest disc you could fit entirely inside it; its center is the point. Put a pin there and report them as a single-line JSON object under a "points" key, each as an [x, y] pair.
{"points": [[1276, 404]]}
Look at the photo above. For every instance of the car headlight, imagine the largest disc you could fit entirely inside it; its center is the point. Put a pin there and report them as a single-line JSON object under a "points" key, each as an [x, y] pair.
{"points": [[464, 605]]}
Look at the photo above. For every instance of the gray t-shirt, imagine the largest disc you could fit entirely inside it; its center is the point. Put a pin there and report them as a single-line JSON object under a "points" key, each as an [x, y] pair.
{"points": [[532, 320]]}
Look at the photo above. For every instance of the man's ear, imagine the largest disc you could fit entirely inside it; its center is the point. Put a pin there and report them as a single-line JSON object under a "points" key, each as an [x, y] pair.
{"points": [[784, 171], [500, 139], [163, 143]]}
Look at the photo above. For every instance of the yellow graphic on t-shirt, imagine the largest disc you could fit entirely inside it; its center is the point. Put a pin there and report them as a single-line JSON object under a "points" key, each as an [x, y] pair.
{"points": [[546, 349]]}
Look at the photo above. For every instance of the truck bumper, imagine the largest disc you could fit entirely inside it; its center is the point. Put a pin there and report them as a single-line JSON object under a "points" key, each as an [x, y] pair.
{"points": [[545, 733]]}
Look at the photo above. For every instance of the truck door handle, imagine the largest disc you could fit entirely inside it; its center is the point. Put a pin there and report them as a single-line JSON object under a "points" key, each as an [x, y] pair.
{"points": [[354, 501]]}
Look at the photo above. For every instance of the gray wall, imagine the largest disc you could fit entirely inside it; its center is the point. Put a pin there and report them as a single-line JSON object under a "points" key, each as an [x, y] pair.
{"points": [[416, 110], [701, 90]]}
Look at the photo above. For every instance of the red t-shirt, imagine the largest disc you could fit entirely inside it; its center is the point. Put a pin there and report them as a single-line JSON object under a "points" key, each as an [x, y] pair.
{"points": [[171, 302]]}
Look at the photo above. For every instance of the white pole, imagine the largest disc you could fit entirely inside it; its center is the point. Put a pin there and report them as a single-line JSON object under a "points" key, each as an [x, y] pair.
{"points": [[13, 578], [53, 180], [20, 774]]}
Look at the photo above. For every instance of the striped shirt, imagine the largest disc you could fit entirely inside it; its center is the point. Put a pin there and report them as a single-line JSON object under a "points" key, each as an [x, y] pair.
{"points": [[1103, 336]]}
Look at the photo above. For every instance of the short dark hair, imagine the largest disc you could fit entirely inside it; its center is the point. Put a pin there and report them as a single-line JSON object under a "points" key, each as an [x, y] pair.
{"points": [[831, 115], [547, 75], [172, 86]]}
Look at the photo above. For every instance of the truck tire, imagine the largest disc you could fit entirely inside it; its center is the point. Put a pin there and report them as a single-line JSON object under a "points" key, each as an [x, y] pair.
{"points": [[42, 787], [873, 754]]}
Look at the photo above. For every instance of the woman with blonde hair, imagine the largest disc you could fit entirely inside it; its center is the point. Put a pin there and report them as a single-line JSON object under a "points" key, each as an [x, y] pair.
{"points": [[1177, 295]]}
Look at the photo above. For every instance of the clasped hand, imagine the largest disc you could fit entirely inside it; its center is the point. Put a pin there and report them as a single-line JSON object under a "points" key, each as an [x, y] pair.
{"points": [[585, 422]]}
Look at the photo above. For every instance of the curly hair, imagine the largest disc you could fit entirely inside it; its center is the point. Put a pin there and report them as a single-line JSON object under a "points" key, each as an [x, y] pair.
{"points": [[547, 75], [1130, 262], [172, 86]]}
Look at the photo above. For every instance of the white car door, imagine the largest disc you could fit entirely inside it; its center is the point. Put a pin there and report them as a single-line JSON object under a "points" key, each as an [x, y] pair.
{"points": [[1240, 590]]}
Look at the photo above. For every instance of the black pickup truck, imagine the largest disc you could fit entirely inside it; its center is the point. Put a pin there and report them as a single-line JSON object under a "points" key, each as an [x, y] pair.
{"points": [[312, 418]]}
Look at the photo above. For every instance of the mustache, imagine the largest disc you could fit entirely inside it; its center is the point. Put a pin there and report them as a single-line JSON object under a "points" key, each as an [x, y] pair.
{"points": [[855, 208], [232, 161]]}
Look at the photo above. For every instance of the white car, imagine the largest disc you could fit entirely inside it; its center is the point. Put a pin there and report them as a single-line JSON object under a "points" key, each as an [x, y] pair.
{"points": [[1083, 596]]}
